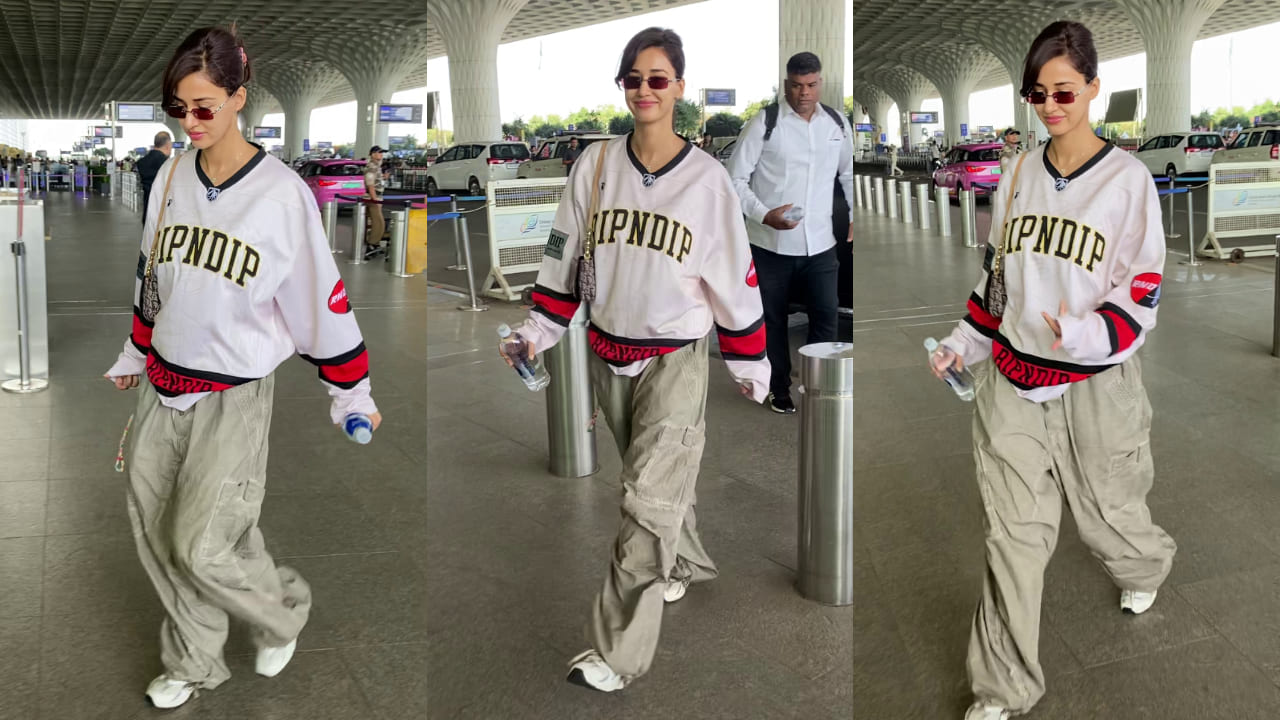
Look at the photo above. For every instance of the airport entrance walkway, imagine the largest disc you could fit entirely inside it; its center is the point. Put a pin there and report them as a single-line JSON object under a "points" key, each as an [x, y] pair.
{"points": [[1209, 648], [79, 620], [516, 556]]}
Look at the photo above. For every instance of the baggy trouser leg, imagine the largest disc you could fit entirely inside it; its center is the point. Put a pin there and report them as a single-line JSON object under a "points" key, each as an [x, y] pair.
{"points": [[1108, 472], [1022, 510], [660, 469]]}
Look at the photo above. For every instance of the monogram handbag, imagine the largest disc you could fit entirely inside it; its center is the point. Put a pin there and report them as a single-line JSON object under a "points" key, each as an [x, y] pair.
{"points": [[996, 297], [151, 286], [586, 277]]}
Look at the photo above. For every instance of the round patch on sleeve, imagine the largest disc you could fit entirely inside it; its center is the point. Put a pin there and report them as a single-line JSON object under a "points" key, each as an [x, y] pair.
{"points": [[1145, 289], [338, 302], [752, 280]]}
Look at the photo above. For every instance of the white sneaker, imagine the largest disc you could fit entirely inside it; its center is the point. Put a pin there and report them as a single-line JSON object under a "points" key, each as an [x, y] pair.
{"points": [[590, 670], [165, 693], [675, 590], [1136, 601], [983, 711], [271, 660]]}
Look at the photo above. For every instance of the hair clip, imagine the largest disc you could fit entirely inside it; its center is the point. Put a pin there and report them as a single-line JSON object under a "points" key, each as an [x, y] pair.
{"points": [[243, 58]]}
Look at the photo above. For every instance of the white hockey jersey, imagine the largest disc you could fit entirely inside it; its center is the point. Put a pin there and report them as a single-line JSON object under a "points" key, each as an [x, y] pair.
{"points": [[1092, 240], [672, 260], [246, 279]]}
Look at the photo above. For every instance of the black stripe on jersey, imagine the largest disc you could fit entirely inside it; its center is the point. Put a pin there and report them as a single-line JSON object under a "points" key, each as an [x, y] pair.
{"points": [[551, 316], [248, 167], [1112, 333], [201, 374], [1047, 363], [640, 168], [749, 330], [635, 342], [1097, 158], [978, 326], [342, 359], [137, 312], [141, 348]]}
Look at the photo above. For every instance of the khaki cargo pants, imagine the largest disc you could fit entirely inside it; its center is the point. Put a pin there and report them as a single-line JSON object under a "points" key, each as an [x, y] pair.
{"points": [[658, 421], [196, 482], [1091, 448]]}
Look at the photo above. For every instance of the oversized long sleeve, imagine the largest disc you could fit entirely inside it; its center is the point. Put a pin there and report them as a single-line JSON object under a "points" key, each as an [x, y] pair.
{"points": [[133, 357]]}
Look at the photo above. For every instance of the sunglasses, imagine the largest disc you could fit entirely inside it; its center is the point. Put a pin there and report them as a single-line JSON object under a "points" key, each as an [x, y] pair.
{"points": [[656, 82], [1063, 97], [180, 113]]}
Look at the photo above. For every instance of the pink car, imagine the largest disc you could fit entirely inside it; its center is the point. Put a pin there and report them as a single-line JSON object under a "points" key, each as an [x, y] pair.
{"points": [[329, 178], [970, 167]]}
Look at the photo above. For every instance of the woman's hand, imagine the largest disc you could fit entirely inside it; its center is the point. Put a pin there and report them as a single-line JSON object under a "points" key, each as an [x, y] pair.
{"points": [[532, 352], [943, 358], [1054, 325], [376, 420], [124, 382]]}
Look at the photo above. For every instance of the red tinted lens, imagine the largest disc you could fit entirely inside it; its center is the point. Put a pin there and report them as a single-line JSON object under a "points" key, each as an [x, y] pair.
{"points": [[1064, 98], [176, 112], [1036, 98], [658, 83], [202, 113], [631, 82]]}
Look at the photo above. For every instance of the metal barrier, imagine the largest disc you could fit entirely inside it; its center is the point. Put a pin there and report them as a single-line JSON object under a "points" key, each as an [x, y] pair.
{"points": [[24, 334], [825, 494], [891, 198], [905, 188], [1275, 305], [460, 219], [943, 200], [520, 213], [879, 192], [329, 216], [571, 437], [357, 234], [968, 219], [922, 205], [857, 191], [457, 241], [398, 253], [1244, 201], [867, 194]]}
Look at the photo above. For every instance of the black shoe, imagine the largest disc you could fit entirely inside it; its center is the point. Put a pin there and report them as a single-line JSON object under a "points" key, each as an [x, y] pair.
{"points": [[782, 404]]}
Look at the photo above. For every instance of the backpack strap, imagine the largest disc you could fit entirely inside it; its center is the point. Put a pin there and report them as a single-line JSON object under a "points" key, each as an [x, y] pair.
{"points": [[770, 119], [837, 117]]}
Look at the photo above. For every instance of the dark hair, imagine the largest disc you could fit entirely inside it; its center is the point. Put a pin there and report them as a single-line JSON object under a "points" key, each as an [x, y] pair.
{"points": [[803, 64], [1061, 39], [657, 37], [216, 51]]}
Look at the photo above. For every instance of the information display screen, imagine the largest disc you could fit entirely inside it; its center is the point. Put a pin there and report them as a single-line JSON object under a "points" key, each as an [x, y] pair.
{"points": [[102, 131], [179, 144], [400, 114], [986, 128], [865, 127], [135, 112], [266, 132], [397, 139], [99, 141], [721, 97], [924, 118], [324, 145]]}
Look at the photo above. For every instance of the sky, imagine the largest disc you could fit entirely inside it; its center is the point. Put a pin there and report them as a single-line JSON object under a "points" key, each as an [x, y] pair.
{"points": [[547, 75]]}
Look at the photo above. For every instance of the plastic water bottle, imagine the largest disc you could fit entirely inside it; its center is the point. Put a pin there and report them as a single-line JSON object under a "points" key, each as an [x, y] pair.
{"points": [[960, 380], [358, 427], [793, 214], [516, 349]]}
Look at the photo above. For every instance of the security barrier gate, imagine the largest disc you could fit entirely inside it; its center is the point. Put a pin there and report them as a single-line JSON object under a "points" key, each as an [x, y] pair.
{"points": [[520, 213], [1244, 201]]}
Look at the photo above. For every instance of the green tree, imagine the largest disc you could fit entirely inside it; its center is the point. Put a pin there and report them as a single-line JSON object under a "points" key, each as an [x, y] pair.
{"points": [[687, 118], [757, 106], [621, 124], [547, 129], [724, 124]]}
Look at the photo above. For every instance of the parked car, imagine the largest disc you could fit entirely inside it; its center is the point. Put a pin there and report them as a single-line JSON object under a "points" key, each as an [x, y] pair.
{"points": [[973, 167], [548, 161], [470, 166], [726, 152], [329, 178], [1186, 153], [1260, 143]]}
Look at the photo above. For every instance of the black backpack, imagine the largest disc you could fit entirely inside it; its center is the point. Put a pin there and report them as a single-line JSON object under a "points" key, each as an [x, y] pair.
{"points": [[771, 119]]}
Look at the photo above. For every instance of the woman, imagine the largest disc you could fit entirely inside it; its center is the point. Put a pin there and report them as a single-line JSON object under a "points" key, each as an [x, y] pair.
{"points": [[244, 279], [671, 260], [1061, 412]]}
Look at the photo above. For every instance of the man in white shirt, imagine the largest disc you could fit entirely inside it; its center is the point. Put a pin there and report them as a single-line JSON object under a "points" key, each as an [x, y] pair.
{"points": [[794, 155]]}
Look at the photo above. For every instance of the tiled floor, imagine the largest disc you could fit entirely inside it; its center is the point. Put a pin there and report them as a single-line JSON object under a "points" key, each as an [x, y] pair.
{"points": [[1210, 648]]}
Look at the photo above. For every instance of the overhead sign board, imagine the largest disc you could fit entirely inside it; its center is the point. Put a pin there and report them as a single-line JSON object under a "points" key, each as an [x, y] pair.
{"points": [[136, 112], [986, 128], [1123, 106], [399, 113], [397, 139], [720, 97], [179, 144], [266, 132], [324, 145], [865, 127], [103, 131], [924, 118]]}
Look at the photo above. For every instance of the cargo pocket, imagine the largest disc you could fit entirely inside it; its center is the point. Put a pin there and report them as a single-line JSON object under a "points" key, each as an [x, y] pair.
{"points": [[231, 521], [664, 482]]}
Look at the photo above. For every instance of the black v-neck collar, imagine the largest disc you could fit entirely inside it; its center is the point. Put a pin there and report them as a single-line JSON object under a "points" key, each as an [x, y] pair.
{"points": [[648, 178], [248, 167], [1059, 181]]}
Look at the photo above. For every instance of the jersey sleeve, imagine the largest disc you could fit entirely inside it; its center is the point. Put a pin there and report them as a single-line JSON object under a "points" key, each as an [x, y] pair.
{"points": [[315, 307], [553, 302], [133, 358], [971, 339], [1128, 310], [729, 280]]}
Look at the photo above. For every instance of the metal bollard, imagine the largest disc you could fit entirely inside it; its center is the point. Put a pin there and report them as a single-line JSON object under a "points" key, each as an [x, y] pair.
{"points": [[879, 195], [398, 253], [475, 306], [571, 437], [891, 198], [825, 494], [1275, 309], [24, 383], [867, 194], [943, 201], [968, 228], [357, 234], [457, 242], [922, 205], [905, 187], [329, 213], [857, 191], [1191, 233]]}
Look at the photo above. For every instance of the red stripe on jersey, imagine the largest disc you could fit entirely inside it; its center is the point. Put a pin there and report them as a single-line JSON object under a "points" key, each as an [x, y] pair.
{"points": [[170, 382], [348, 373], [982, 317], [1120, 329], [563, 309], [1028, 372], [623, 353], [141, 335], [742, 347]]}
